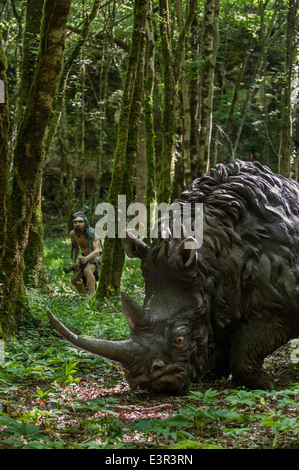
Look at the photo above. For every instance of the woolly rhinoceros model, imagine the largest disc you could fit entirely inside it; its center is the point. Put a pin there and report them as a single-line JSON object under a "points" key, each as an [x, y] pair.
{"points": [[224, 306]]}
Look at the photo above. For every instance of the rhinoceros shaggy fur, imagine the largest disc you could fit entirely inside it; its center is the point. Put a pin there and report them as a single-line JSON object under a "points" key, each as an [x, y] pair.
{"points": [[225, 306]]}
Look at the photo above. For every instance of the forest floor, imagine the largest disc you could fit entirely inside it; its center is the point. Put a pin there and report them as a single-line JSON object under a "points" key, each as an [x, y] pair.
{"points": [[56, 397]]}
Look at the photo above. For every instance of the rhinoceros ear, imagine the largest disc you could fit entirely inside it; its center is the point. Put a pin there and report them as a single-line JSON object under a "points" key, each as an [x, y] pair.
{"points": [[133, 247], [187, 251], [136, 315]]}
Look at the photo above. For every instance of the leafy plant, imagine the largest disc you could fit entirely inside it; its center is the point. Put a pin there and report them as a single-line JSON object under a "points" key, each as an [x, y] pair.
{"points": [[16, 431], [67, 372], [173, 427]]}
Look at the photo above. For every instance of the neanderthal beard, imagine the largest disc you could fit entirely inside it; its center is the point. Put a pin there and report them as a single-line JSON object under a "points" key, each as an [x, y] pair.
{"points": [[79, 231]]}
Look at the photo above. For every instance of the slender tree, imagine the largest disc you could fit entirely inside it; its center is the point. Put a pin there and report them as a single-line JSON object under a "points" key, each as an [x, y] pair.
{"points": [[286, 112], [183, 177], [194, 96], [101, 100], [126, 149], [172, 60], [210, 49], [4, 159], [148, 109], [169, 105]]}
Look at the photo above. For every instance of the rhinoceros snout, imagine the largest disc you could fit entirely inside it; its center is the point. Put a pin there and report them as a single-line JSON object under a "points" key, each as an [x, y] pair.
{"points": [[165, 378], [158, 367]]}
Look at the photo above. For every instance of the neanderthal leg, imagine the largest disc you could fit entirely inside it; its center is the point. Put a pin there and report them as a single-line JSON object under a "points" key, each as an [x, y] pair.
{"points": [[90, 279], [77, 280]]}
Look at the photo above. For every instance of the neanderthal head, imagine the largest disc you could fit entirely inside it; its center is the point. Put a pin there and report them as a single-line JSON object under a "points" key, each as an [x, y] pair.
{"points": [[80, 223]]}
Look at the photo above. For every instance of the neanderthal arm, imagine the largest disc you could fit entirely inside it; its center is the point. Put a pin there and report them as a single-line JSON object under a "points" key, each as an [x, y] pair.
{"points": [[75, 251], [96, 250]]}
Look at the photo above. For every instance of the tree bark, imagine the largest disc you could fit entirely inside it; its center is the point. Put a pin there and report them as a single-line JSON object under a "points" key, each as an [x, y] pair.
{"points": [[4, 158], [28, 157], [286, 112], [169, 106], [186, 178], [194, 96], [148, 107], [106, 62], [126, 149], [210, 49], [33, 255], [59, 98], [34, 14], [171, 74]]}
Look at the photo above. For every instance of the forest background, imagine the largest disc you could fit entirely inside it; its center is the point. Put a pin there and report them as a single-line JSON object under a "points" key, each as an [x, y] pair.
{"points": [[134, 98]]}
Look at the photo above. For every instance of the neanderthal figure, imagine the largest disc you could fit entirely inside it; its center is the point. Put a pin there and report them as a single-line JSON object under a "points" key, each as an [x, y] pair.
{"points": [[84, 238]]}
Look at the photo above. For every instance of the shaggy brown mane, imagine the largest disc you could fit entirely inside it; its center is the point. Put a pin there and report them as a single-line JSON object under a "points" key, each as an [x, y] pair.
{"points": [[240, 188]]}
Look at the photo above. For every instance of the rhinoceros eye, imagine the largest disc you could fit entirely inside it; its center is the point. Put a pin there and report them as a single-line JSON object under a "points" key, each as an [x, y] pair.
{"points": [[180, 340]]}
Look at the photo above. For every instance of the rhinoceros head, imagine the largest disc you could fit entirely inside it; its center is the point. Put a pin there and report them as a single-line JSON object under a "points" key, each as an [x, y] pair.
{"points": [[169, 333]]}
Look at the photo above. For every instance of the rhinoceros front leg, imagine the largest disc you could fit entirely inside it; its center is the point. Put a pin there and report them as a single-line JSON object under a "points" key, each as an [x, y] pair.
{"points": [[218, 360], [250, 345]]}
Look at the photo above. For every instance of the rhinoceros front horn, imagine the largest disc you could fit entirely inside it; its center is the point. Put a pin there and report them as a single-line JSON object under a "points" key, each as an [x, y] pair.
{"points": [[117, 351]]}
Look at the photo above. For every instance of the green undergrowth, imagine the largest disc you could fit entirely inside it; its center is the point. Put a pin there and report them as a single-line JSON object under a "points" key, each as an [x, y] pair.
{"points": [[56, 396]]}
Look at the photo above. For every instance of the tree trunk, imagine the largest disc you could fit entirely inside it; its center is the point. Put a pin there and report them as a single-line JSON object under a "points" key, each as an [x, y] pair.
{"points": [[126, 149], [151, 182], [210, 49], [186, 124], [34, 271], [194, 97], [28, 157], [59, 98], [33, 255], [82, 143], [286, 113], [169, 106], [171, 74], [34, 14], [4, 159], [140, 174], [102, 107]]}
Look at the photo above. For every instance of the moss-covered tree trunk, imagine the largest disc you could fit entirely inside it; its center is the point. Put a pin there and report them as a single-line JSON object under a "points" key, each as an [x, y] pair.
{"points": [[58, 105], [286, 108], [210, 49], [4, 159], [183, 162], [194, 95], [33, 255], [106, 62], [28, 157], [172, 62], [126, 149], [34, 271], [169, 105], [148, 109]]}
